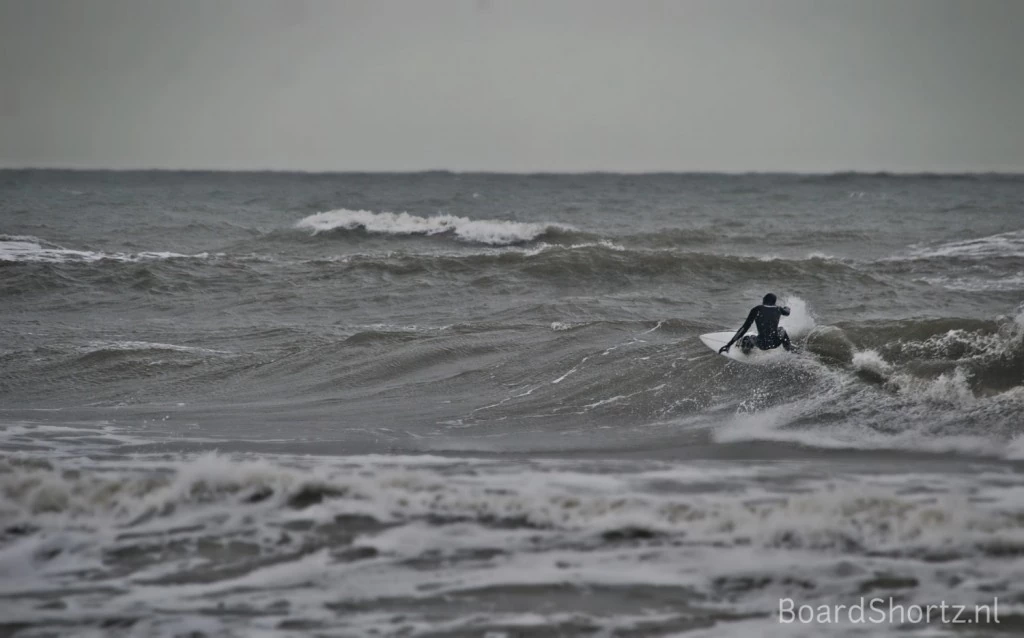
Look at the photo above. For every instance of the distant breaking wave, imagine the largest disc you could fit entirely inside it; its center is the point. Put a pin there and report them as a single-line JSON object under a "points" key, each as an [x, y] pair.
{"points": [[494, 232], [1010, 244], [26, 248]]}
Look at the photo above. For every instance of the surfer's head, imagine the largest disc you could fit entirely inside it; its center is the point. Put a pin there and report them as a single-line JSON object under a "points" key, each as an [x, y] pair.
{"points": [[769, 300]]}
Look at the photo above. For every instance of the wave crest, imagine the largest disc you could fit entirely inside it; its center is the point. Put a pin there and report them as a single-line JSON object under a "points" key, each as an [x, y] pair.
{"points": [[1009, 244], [25, 248], [493, 232]]}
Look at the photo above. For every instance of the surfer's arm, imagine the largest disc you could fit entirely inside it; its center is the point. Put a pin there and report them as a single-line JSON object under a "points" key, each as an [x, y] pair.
{"points": [[784, 310], [746, 326], [742, 331]]}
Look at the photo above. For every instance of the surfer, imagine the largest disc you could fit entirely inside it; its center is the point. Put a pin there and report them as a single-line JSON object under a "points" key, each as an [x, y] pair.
{"points": [[769, 333]]}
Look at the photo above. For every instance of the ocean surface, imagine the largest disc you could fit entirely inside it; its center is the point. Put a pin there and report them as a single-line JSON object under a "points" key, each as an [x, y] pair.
{"points": [[437, 404]]}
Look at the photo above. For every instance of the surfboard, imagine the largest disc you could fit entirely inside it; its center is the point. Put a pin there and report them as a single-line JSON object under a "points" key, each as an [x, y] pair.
{"points": [[715, 340]]}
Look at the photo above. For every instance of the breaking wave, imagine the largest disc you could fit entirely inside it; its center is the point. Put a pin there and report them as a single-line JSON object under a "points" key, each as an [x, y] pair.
{"points": [[920, 385], [397, 490], [1009, 244], [25, 248], [390, 543], [492, 232]]}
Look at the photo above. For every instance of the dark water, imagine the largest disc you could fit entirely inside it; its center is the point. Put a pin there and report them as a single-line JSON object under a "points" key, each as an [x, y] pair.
{"points": [[476, 405]]}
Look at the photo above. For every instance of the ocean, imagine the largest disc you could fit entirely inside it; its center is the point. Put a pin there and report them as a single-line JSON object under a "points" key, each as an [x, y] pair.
{"points": [[453, 404]]}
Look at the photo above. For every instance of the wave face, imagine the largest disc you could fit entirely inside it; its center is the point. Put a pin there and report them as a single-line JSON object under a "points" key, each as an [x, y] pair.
{"points": [[234, 404]]}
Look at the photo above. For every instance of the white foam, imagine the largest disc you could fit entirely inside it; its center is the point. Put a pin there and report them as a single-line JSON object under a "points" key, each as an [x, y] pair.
{"points": [[765, 426], [930, 412], [29, 249], [555, 498], [1009, 244], [950, 389], [488, 231], [871, 361], [465, 527], [978, 284], [811, 256], [561, 326], [604, 243], [23, 248], [127, 346], [800, 322], [962, 345]]}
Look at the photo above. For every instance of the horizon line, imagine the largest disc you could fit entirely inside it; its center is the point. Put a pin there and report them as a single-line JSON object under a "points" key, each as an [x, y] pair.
{"points": [[567, 173]]}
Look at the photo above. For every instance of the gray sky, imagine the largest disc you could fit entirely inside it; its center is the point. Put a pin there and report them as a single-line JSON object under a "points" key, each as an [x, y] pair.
{"points": [[546, 85]]}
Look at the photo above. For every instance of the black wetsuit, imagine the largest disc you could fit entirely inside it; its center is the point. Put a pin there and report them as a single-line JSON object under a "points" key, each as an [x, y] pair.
{"points": [[769, 333]]}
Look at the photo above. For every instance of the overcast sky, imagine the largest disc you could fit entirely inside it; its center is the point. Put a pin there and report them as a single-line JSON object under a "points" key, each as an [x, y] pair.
{"points": [[514, 85]]}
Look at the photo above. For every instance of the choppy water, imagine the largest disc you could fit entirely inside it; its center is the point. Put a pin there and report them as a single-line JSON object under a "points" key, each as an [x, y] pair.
{"points": [[476, 405]]}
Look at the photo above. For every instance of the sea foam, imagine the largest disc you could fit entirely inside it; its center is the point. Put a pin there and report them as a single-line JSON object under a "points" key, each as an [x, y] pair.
{"points": [[25, 248], [1009, 244], [494, 232]]}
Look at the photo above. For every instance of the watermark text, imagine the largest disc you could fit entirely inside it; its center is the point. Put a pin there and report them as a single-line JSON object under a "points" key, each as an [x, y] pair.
{"points": [[888, 611]]}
